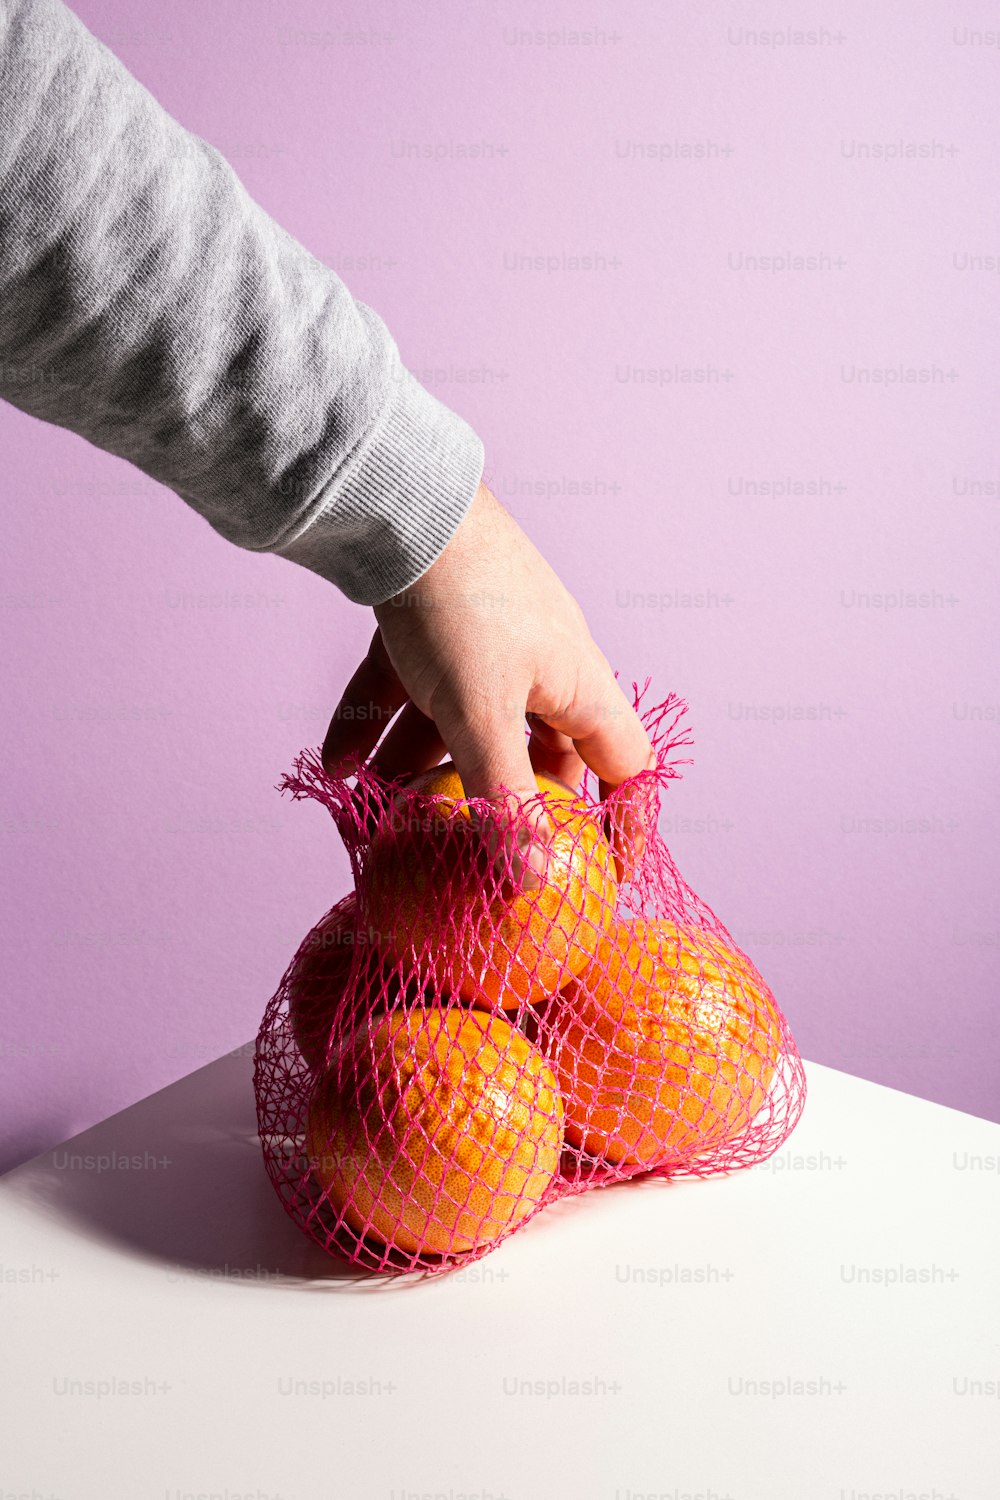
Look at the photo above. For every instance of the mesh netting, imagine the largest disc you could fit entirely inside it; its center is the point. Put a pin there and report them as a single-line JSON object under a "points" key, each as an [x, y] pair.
{"points": [[449, 1051]]}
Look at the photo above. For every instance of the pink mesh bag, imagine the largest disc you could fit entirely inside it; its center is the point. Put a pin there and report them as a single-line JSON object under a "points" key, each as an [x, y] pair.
{"points": [[448, 1052]]}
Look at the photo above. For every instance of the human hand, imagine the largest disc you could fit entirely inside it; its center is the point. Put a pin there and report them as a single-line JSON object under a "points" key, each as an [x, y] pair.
{"points": [[487, 638]]}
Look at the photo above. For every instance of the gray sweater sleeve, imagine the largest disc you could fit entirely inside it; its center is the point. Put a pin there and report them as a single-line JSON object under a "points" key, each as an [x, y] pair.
{"points": [[147, 303]]}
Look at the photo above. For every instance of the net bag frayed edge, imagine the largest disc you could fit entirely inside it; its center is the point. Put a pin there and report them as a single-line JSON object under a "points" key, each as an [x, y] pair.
{"points": [[443, 1058]]}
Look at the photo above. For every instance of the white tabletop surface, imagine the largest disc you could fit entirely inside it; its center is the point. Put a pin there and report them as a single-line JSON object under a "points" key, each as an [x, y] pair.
{"points": [[824, 1325]]}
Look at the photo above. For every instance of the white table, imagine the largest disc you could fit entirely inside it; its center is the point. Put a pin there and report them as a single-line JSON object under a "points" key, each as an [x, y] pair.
{"points": [[168, 1332]]}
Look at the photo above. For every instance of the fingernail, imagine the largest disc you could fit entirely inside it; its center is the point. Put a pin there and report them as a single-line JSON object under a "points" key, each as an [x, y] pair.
{"points": [[531, 859], [517, 854], [510, 859]]}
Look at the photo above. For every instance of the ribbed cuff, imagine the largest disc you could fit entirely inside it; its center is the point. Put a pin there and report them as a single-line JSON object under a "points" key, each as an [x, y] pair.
{"points": [[399, 500]]}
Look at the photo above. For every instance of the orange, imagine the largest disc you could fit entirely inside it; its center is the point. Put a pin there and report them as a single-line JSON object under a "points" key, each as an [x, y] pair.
{"points": [[664, 1047], [319, 977], [430, 894], [442, 1134]]}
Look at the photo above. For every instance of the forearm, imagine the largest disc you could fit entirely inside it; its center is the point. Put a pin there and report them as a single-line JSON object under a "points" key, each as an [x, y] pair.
{"points": [[147, 303]]}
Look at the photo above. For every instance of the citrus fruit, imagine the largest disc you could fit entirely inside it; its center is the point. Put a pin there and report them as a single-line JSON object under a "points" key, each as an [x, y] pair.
{"points": [[664, 1047], [432, 896], [317, 982], [440, 1130]]}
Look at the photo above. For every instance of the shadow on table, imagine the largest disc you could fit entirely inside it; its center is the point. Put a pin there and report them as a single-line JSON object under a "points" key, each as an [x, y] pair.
{"points": [[178, 1178]]}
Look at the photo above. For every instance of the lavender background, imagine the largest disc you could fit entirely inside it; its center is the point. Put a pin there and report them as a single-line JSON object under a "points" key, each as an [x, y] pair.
{"points": [[841, 811]]}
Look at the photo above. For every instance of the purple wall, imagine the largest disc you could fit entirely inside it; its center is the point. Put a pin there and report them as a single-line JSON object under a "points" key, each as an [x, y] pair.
{"points": [[841, 811]]}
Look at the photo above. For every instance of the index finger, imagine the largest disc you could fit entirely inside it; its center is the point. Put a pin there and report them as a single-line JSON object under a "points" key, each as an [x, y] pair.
{"points": [[606, 730], [612, 740]]}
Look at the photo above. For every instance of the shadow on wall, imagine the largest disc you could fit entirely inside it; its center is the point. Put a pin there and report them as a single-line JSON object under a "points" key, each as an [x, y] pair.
{"points": [[23, 1144]]}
